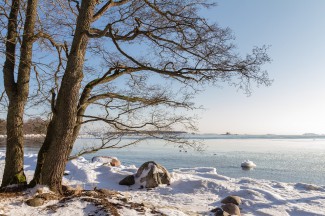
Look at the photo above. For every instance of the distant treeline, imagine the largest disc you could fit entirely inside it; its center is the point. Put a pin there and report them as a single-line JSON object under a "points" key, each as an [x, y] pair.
{"points": [[148, 132], [31, 126]]}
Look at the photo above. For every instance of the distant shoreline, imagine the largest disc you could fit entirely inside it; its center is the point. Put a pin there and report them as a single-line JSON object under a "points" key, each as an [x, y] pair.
{"points": [[185, 135]]}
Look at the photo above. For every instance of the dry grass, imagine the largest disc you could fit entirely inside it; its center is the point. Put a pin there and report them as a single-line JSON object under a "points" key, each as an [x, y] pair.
{"points": [[10, 192]]}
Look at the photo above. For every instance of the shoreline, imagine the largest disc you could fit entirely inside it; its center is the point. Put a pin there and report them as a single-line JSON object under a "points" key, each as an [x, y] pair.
{"points": [[193, 191]]}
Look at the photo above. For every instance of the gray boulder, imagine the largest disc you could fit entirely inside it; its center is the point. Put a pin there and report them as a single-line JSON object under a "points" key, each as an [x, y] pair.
{"points": [[129, 180], [152, 174]]}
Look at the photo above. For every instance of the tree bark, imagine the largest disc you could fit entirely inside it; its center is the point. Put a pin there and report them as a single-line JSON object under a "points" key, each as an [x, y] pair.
{"points": [[17, 91], [64, 121], [14, 164], [42, 154]]}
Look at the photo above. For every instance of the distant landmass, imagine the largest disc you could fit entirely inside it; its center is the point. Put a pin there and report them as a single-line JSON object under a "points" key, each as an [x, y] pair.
{"points": [[311, 134]]}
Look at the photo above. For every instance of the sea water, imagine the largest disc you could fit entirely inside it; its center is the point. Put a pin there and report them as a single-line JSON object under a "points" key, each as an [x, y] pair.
{"points": [[287, 159]]}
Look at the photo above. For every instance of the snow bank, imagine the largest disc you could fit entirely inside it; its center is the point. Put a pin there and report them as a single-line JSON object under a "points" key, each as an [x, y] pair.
{"points": [[193, 191]]}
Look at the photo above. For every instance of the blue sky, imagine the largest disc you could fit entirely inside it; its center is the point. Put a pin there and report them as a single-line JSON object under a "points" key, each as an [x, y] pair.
{"points": [[295, 103]]}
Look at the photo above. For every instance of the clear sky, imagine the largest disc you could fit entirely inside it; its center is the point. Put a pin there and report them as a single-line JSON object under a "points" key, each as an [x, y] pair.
{"points": [[295, 103]]}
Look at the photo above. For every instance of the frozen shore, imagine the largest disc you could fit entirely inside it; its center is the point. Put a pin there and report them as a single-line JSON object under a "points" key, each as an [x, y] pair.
{"points": [[193, 191]]}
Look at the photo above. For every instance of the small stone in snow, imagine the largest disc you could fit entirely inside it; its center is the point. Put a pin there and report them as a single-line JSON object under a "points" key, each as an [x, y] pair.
{"points": [[124, 199], [232, 209], [115, 162], [232, 199], [219, 212], [66, 173], [34, 202]]}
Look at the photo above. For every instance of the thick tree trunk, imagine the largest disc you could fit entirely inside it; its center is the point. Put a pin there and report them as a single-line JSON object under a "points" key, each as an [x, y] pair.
{"points": [[17, 92], [64, 120], [14, 167], [45, 147], [42, 154]]}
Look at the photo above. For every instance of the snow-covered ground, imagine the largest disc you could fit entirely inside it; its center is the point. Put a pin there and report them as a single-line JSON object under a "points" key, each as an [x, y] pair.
{"points": [[193, 191]]}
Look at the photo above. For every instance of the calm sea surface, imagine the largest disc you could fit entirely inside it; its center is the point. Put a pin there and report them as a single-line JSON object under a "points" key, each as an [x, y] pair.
{"points": [[287, 159]]}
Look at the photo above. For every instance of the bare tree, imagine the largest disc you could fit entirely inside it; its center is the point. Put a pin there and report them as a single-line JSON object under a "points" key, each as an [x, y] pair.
{"points": [[130, 58], [132, 65], [17, 90]]}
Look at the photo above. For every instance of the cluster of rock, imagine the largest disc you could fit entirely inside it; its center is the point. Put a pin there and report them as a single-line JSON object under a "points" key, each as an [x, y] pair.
{"points": [[230, 206]]}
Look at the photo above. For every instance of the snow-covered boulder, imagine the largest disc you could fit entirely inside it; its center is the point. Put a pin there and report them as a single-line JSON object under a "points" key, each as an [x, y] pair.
{"points": [[152, 174], [247, 164], [149, 175], [107, 160]]}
